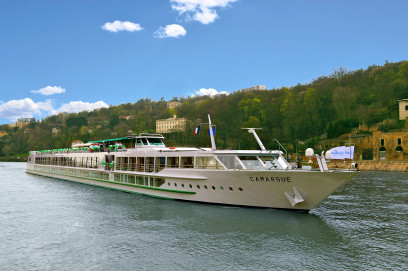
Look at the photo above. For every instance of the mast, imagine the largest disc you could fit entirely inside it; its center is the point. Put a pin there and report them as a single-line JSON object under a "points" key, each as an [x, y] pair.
{"points": [[211, 134], [252, 131]]}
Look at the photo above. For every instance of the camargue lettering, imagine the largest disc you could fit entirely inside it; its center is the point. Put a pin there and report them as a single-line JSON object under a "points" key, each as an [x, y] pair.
{"points": [[270, 179]]}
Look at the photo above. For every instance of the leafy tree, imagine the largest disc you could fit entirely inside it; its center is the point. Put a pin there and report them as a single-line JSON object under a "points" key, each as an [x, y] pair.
{"points": [[75, 120]]}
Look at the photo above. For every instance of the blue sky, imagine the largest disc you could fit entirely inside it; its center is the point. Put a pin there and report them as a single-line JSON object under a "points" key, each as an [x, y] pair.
{"points": [[63, 55]]}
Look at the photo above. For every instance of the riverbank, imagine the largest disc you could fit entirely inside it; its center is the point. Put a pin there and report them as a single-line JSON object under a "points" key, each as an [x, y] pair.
{"points": [[13, 159], [372, 165]]}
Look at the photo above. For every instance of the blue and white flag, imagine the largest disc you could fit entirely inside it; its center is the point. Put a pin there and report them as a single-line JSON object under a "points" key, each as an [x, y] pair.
{"points": [[213, 131], [342, 153]]}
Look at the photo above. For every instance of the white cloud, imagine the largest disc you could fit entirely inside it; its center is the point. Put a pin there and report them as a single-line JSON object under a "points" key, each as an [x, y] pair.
{"points": [[209, 92], [24, 108], [48, 90], [27, 108], [170, 31], [79, 106], [121, 26], [200, 10]]}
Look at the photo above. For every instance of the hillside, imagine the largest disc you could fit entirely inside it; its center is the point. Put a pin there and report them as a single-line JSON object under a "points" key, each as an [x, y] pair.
{"points": [[327, 107]]}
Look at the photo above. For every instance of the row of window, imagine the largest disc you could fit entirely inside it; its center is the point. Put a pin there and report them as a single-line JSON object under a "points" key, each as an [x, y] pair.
{"points": [[84, 162], [382, 141], [139, 180], [205, 187], [155, 164], [74, 172], [120, 178]]}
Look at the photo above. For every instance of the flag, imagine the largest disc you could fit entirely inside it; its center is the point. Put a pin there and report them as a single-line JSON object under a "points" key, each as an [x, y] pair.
{"points": [[342, 152], [197, 130], [213, 131]]}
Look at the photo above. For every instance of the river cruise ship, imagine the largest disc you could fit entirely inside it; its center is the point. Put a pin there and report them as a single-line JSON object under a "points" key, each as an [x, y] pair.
{"points": [[143, 164]]}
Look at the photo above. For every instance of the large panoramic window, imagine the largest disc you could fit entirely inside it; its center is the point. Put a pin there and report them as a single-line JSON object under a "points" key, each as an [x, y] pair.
{"points": [[251, 162], [187, 162], [270, 162], [207, 162], [172, 162], [155, 141], [230, 162]]}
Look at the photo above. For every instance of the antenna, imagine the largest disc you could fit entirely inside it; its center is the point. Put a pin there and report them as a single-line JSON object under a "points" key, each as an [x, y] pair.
{"points": [[252, 131]]}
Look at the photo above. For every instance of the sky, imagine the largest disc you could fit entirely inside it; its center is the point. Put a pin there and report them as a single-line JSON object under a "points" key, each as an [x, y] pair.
{"points": [[74, 55]]}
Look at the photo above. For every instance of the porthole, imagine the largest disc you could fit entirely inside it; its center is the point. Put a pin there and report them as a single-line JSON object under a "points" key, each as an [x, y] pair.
{"points": [[168, 183], [231, 189], [221, 188], [182, 185], [191, 186], [205, 186], [239, 188], [213, 187], [175, 184], [198, 186]]}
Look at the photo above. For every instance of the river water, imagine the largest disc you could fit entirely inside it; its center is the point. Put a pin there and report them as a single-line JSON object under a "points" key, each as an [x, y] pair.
{"points": [[48, 224]]}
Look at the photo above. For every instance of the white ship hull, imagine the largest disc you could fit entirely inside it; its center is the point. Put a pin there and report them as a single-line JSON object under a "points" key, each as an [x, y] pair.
{"points": [[286, 189], [254, 178]]}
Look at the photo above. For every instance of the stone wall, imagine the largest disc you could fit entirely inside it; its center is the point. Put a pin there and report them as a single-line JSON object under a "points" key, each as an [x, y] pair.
{"points": [[371, 165]]}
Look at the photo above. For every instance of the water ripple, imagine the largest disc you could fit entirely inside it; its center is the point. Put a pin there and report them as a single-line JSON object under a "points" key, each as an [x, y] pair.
{"points": [[47, 224]]}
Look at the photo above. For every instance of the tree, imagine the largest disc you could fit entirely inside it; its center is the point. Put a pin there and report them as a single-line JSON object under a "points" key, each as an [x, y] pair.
{"points": [[6, 150]]}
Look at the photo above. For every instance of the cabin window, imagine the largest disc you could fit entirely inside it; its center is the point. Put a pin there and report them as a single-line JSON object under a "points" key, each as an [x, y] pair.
{"points": [[118, 163], [270, 162], [160, 163], [208, 162], [145, 141], [131, 179], [117, 178], [187, 162], [230, 162], [158, 182], [89, 162], [124, 178], [139, 180], [138, 142], [132, 163], [251, 162], [172, 161], [125, 161], [155, 141], [149, 164], [78, 162], [140, 164]]}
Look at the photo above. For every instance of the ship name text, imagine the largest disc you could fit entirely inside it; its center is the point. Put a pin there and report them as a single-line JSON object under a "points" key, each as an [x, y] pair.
{"points": [[270, 179]]}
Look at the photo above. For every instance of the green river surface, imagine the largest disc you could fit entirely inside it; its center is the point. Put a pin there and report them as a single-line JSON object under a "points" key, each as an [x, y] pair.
{"points": [[49, 224]]}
